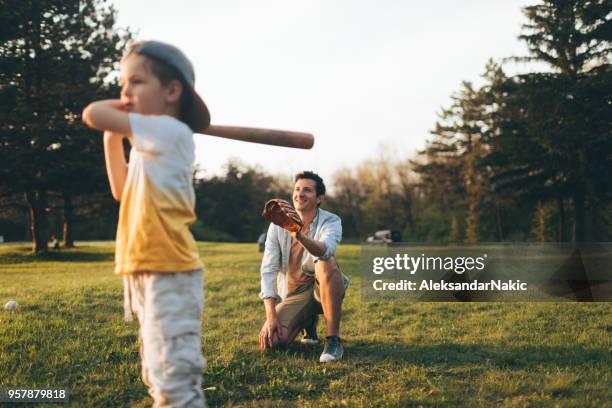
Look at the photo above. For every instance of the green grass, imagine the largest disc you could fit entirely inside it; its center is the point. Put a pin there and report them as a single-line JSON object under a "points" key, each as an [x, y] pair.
{"points": [[69, 333]]}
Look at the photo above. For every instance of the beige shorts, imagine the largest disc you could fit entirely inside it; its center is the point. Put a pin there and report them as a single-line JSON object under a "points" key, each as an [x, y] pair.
{"points": [[300, 306], [169, 308], [297, 310]]}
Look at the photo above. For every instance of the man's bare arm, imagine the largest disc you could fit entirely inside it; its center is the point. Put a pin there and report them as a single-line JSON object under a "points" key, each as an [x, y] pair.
{"points": [[271, 330], [270, 305], [316, 248]]}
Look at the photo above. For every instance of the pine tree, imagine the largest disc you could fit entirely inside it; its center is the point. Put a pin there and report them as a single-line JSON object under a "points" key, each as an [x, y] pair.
{"points": [[55, 57], [452, 169], [555, 127]]}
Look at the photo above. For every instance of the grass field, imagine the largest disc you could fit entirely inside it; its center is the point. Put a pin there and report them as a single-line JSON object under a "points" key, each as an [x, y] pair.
{"points": [[69, 333]]}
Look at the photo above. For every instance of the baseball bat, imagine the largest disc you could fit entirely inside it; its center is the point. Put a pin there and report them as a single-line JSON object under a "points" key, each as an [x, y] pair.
{"points": [[285, 138]]}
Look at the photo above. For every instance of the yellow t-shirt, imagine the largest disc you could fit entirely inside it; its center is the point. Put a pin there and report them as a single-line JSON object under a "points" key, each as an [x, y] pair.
{"points": [[157, 205]]}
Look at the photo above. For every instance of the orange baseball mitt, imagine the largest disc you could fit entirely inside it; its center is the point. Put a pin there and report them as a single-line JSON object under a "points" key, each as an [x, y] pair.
{"points": [[281, 213]]}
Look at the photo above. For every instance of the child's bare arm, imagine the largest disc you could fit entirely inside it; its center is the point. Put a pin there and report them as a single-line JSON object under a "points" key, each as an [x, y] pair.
{"points": [[108, 115], [116, 167]]}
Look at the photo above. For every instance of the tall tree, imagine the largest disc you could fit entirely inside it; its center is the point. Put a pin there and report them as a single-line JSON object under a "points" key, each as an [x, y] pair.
{"points": [[555, 139], [572, 36], [55, 57], [347, 201], [451, 161]]}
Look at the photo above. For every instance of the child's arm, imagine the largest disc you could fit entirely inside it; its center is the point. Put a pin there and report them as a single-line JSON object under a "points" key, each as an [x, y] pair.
{"points": [[116, 167], [108, 115]]}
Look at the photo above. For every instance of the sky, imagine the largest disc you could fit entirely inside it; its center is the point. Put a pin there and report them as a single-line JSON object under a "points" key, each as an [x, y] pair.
{"points": [[363, 76]]}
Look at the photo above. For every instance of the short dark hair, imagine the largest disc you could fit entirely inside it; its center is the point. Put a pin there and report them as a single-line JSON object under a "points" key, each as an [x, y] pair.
{"points": [[320, 186], [166, 73]]}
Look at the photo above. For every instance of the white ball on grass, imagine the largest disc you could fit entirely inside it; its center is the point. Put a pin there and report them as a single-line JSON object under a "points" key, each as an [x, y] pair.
{"points": [[11, 305]]}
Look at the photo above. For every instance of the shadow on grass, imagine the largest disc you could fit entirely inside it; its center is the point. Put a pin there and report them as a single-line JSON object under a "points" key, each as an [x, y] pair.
{"points": [[286, 374], [458, 355], [55, 256], [454, 355], [267, 377], [306, 352]]}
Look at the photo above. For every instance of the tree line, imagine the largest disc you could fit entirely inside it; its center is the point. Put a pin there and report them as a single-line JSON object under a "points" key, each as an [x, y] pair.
{"points": [[539, 143], [526, 157], [55, 57]]}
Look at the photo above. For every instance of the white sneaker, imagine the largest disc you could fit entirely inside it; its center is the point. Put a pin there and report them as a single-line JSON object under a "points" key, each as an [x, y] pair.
{"points": [[333, 350]]}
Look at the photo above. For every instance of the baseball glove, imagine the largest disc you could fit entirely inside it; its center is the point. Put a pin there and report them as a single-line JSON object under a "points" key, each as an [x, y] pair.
{"points": [[281, 213]]}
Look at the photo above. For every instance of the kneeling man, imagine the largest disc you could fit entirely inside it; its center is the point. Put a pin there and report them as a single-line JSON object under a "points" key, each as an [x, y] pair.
{"points": [[302, 267]]}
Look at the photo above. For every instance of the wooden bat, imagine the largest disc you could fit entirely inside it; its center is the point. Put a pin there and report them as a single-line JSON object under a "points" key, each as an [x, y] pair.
{"points": [[285, 138]]}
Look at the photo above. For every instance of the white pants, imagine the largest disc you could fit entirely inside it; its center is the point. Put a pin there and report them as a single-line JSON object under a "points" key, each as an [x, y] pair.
{"points": [[169, 308]]}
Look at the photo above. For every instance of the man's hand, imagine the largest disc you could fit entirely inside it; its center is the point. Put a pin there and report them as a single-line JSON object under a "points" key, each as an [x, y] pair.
{"points": [[270, 332]]}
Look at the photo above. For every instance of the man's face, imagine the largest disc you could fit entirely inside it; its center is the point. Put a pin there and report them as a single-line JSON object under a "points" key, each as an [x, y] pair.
{"points": [[305, 195], [141, 90]]}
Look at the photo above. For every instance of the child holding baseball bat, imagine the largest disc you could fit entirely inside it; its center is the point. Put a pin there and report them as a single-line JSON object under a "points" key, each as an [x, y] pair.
{"points": [[158, 111]]}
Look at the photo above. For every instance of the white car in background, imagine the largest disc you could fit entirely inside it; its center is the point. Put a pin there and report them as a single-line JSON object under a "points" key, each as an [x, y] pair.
{"points": [[384, 237]]}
